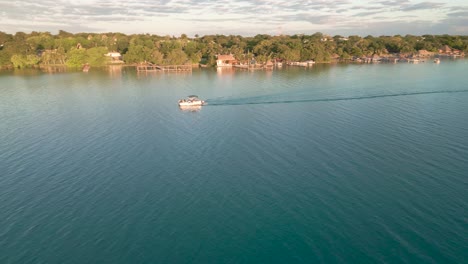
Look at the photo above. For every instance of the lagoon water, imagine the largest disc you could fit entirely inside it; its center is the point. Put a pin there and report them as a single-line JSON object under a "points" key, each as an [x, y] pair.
{"points": [[332, 164]]}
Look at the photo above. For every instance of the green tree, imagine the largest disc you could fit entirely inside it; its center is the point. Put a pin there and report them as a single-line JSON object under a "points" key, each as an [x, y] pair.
{"points": [[19, 61], [95, 56], [66, 43], [56, 56], [64, 34], [192, 52], [156, 57], [76, 58], [41, 41], [5, 59], [176, 57], [137, 54], [24, 61]]}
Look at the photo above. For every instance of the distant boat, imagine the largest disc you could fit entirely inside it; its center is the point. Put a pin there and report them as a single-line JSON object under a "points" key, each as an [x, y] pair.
{"points": [[191, 100], [437, 60]]}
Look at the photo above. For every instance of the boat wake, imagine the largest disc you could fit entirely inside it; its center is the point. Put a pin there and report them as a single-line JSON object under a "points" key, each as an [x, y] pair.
{"points": [[265, 99]]}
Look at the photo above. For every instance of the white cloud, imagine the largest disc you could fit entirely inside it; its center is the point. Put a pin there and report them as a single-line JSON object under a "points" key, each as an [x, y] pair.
{"points": [[244, 17]]}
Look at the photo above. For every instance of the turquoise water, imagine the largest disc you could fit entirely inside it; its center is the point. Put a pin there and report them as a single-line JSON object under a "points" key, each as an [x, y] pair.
{"points": [[333, 164]]}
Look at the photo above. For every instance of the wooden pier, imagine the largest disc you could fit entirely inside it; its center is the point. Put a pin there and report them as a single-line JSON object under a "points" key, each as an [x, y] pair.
{"points": [[253, 67], [309, 63], [165, 68]]}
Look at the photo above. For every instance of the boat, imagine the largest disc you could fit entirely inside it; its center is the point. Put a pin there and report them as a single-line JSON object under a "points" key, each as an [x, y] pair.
{"points": [[436, 60], [192, 108], [191, 100]]}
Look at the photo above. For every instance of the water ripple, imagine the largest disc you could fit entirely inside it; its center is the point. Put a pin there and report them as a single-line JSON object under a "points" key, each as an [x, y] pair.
{"points": [[246, 101]]}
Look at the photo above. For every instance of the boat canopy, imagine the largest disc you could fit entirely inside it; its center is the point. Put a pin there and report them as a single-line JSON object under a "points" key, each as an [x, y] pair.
{"points": [[192, 96]]}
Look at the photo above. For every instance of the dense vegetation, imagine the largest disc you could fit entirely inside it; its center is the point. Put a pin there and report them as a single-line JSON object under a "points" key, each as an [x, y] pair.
{"points": [[29, 50]]}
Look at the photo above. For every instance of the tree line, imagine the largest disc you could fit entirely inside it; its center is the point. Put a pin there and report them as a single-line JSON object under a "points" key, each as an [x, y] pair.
{"points": [[22, 50]]}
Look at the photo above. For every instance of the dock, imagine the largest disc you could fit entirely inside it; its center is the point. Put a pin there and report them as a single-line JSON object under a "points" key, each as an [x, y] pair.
{"points": [[309, 63], [165, 68], [253, 67]]}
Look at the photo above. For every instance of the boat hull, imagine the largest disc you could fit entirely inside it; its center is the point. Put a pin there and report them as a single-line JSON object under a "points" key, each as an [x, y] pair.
{"points": [[194, 103]]}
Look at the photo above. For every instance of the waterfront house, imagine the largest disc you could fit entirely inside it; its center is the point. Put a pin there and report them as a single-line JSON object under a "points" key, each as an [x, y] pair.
{"points": [[115, 57], [373, 58], [269, 65], [425, 53], [457, 53], [225, 60], [445, 50]]}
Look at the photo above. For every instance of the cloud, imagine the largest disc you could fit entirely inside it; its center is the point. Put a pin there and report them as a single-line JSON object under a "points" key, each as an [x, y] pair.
{"points": [[233, 16], [366, 13], [422, 6], [393, 3], [460, 14], [455, 25]]}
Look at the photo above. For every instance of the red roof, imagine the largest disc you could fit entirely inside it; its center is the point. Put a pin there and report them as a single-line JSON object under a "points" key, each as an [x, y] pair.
{"points": [[226, 57]]}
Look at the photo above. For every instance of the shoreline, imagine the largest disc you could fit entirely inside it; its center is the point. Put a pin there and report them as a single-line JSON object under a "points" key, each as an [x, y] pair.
{"points": [[392, 59]]}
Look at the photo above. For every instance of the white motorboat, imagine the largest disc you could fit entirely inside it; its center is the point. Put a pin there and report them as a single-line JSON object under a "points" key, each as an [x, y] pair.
{"points": [[192, 108], [191, 100]]}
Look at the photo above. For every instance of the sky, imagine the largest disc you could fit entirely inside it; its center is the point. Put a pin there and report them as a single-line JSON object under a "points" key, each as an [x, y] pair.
{"points": [[240, 17]]}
